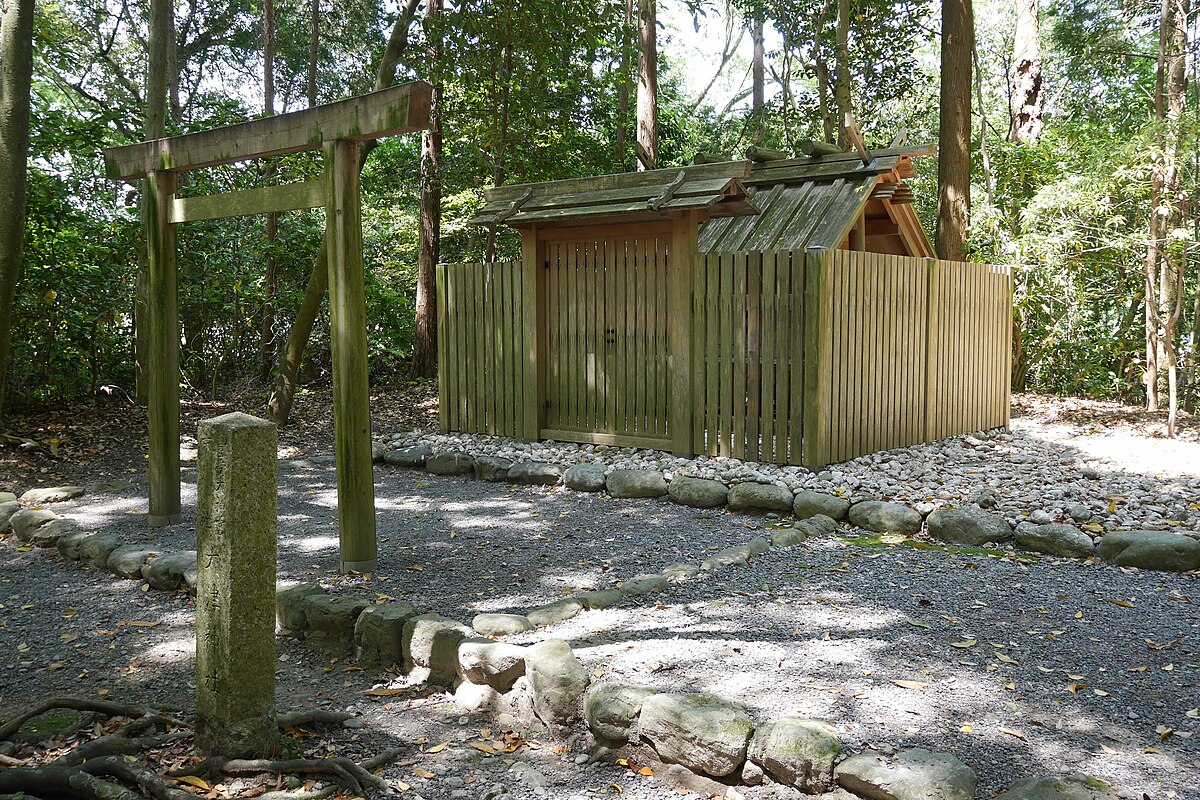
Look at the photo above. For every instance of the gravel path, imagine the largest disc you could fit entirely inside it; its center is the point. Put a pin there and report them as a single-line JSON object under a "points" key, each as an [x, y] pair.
{"points": [[822, 629]]}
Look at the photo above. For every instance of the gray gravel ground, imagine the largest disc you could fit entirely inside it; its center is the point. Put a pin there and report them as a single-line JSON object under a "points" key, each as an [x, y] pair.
{"points": [[820, 629]]}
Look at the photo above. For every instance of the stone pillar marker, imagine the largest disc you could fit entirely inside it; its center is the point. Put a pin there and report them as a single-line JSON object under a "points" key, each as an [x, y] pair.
{"points": [[235, 590]]}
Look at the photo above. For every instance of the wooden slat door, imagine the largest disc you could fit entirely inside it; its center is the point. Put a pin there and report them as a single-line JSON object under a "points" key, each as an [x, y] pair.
{"points": [[608, 363]]}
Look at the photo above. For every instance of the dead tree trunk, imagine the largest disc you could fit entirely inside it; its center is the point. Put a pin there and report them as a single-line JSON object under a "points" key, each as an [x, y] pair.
{"points": [[1026, 97]]}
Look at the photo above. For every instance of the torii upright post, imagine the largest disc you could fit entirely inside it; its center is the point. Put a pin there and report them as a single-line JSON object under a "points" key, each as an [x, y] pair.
{"points": [[339, 128]]}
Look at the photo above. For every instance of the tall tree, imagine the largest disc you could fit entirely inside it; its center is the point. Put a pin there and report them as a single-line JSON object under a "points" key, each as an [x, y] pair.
{"points": [[954, 129], [424, 363], [623, 87], [758, 77], [842, 93], [279, 404], [314, 49], [16, 76], [271, 279], [647, 90], [1026, 95]]}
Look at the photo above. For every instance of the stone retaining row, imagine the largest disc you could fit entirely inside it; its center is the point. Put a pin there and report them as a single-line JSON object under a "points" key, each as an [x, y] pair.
{"points": [[712, 742], [971, 525]]}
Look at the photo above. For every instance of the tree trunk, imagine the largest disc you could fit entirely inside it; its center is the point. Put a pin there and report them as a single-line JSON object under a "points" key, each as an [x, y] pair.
{"points": [[424, 364], [158, 87], [623, 88], [1026, 96], [314, 45], [16, 75], [758, 105], [842, 96], [266, 342], [647, 90], [279, 405], [954, 135]]}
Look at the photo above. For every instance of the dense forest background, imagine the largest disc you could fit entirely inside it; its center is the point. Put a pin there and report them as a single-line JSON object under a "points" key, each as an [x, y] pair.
{"points": [[1066, 188]]}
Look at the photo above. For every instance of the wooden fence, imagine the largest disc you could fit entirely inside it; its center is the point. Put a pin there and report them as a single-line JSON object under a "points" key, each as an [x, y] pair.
{"points": [[797, 358]]}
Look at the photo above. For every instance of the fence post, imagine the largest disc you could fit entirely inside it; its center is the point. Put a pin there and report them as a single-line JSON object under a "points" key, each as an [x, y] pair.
{"points": [[684, 259], [815, 344], [531, 323]]}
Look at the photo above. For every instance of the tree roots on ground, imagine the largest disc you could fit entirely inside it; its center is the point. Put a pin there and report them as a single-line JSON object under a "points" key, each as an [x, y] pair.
{"points": [[101, 768]]}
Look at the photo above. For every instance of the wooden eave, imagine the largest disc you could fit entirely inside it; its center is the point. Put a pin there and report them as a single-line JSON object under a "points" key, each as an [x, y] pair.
{"points": [[655, 195]]}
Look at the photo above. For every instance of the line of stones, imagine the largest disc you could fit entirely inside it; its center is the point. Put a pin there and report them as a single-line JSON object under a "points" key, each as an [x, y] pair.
{"points": [[971, 525], [706, 742]]}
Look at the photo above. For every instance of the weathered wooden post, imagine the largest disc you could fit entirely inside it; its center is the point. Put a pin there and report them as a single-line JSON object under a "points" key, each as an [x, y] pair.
{"points": [[235, 591], [348, 341], [162, 367]]}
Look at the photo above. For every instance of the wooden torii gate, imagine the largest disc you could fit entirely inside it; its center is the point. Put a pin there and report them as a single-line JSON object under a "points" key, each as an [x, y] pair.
{"points": [[337, 128]]}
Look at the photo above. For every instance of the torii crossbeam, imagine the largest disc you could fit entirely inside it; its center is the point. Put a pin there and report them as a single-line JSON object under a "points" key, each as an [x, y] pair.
{"points": [[337, 128]]}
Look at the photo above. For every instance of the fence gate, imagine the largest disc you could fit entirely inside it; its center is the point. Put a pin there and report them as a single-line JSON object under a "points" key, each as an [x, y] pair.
{"points": [[607, 356]]}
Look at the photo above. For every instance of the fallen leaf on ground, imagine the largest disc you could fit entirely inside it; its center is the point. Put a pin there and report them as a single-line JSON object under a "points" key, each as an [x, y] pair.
{"points": [[1017, 734], [908, 684], [965, 643], [437, 748], [424, 773]]}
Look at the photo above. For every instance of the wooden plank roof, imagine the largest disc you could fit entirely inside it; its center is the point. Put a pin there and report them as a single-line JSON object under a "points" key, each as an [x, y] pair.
{"points": [[812, 203], [714, 189]]}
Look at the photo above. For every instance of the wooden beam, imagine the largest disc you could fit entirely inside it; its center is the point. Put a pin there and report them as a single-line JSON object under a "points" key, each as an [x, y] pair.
{"points": [[399, 109], [162, 351], [290, 197], [684, 258], [532, 390], [348, 340]]}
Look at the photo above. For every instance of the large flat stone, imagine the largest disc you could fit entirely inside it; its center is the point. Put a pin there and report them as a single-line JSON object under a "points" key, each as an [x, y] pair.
{"points": [[644, 584], [291, 618], [585, 477], [698, 492], [379, 633], [52, 494], [501, 624], [969, 525], [1054, 539], [1163, 550], [636, 483], [535, 473], [910, 775], [808, 503], [703, 732], [7, 509], [68, 544], [797, 752], [494, 664], [876, 515], [51, 533], [492, 468], [410, 457], [552, 613], [165, 573], [451, 463], [128, 559], [558, 680], [330, 622], [95, 549], [611, 709], [27, 520], [760, 498], [1061, 787], [431, 641]]}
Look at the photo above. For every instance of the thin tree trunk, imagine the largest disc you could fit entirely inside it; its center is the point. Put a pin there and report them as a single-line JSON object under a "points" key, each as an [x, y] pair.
{"points": [[841, 84], [1026, 96], [500, 173], [954, 135], [623, 87], [314, 45], [647, 90], [424, 363], [758, 106], [279, 405], [989, 180], [270, 281], [16, 76]]}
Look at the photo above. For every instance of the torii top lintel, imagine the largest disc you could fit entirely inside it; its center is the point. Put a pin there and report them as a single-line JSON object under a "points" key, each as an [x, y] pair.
{"points": [[398, 109]]}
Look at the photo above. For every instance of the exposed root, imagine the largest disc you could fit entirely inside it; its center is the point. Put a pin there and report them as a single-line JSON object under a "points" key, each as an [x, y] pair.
{"points": [[315, 717], [51, 781], [114, 746], [14, 724], [299, 794], [144, 778]]}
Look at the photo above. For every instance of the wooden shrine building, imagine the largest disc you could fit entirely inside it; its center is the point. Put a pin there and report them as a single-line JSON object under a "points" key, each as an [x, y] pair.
{"points": [[789, 312]]}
